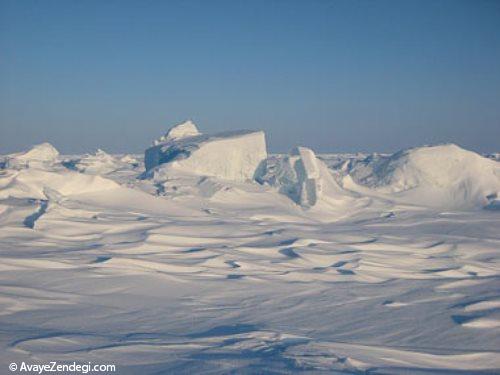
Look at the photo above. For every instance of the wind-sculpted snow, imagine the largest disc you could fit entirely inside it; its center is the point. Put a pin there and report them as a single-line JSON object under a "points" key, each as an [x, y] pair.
{"points": [[188, 273]]}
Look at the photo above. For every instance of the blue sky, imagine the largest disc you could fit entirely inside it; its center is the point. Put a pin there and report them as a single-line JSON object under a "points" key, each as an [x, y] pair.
{"points": [[335, 76]]}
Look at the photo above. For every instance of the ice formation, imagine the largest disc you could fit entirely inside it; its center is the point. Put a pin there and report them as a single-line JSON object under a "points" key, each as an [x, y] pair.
{"points": [[440, 176], [230, 155], [38, 156], [186, 129], [301, 176], [378, 278], [99, 162], [36, 174]]}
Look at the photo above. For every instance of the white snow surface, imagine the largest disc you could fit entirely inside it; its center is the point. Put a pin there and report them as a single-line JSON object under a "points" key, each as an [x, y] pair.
{"points": [[234, 155], [38, 156], [99, 163], [437, 176], [183, 130], [36, 183], [185, 272]]}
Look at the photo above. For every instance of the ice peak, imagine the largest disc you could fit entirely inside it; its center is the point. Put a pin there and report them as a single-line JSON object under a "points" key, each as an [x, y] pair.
{"points": [[183, 130], [43, 151], [38, 156]]}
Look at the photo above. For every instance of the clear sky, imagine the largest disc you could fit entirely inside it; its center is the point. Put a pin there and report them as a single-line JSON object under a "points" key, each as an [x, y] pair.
{"points": [[332, 75]]}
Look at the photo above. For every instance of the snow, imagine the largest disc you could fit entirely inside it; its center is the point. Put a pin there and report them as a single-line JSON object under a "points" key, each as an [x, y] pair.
{"points": [[36, 184], [184, 130], [99, 163], [38, 156], [230, 155], [305, 179], [338, 263], [436, 176]]}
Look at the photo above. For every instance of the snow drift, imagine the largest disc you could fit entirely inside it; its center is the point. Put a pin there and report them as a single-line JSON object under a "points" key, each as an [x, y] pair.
{"points": [[36, 174], [39, 184], [230, 155], [438, 176]]}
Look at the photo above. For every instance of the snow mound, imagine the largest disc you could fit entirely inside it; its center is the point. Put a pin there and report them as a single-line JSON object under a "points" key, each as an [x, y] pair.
{"points": [[186, 129], [440, 176], [38, 156], [98, 163], [232, 155], [40, 184], [302, 177]]}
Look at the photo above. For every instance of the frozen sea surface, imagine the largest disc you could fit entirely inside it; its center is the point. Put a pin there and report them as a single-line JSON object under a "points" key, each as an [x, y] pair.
{"points": [[198, 275]]}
